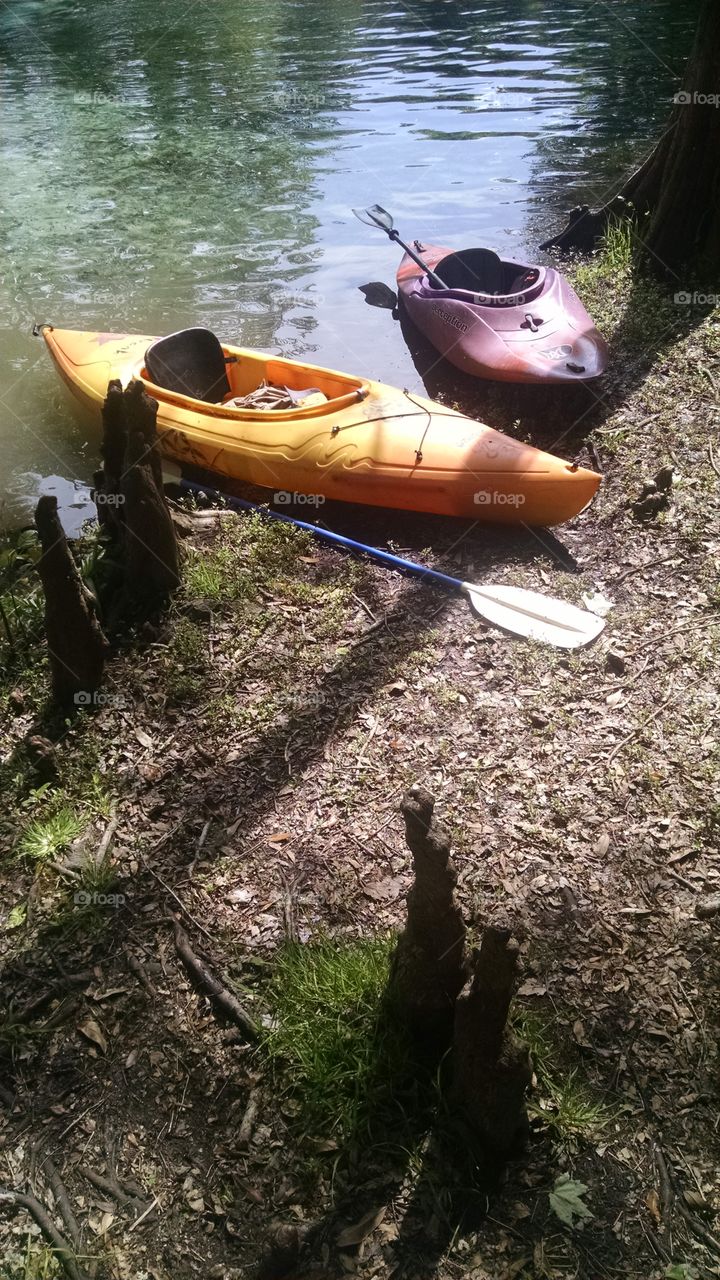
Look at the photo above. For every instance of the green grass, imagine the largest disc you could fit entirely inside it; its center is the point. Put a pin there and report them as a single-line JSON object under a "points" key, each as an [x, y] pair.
{"points": [[333, 1041], [626, 301], [186, 661], [62, 812], [38, 1262], [563, 1100], [44, 838]]}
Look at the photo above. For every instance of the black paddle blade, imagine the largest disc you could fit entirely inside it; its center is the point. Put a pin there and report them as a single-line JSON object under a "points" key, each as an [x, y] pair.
{"points": [[375, 216], [378, 294]]}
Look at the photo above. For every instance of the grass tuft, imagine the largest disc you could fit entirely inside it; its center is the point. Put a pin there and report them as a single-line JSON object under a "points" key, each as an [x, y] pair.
{"points": [[333, 1036], [564, 1101], [44, 838]]}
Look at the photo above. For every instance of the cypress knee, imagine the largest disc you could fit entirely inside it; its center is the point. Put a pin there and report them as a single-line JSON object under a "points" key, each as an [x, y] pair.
{"points": [[76, 643], [491, 1066], [428, 968], [151, 552]]}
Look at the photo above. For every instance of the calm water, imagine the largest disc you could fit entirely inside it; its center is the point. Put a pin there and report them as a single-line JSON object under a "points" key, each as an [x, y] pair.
{"points": [[166, 164]]}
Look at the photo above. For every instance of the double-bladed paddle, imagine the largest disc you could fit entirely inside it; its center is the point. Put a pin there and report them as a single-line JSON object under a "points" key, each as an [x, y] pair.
{"points": [[376, 216], [514, 609]]}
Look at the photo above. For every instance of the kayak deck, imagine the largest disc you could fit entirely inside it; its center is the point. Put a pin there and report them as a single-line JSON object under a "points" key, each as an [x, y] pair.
{"points": [[366, 442], [503, 320]]}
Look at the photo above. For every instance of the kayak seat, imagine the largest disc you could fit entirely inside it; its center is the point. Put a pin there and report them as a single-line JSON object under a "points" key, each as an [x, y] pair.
{"points": [[483, 271], [479, 270], [190, 362]]}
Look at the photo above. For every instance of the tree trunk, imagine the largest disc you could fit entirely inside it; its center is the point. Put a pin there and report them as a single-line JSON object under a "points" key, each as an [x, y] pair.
{"points": [[428, 968], [75, 641], [491, 1067], [676, 191]]}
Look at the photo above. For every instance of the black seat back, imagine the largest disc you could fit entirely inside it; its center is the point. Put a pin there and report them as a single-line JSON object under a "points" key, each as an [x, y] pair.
{"points": [[478, 270], [190, 362]]}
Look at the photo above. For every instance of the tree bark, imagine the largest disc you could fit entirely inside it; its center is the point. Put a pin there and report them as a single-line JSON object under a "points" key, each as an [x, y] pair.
{"points": [[491, 1067], [151, 564], [130, 497], [428, 968], [75, 640], [676, 191], [108, 495]]}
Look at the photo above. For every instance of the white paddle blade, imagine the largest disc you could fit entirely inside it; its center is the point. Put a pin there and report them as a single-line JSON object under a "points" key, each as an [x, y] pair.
{"points": [[535, 616]]}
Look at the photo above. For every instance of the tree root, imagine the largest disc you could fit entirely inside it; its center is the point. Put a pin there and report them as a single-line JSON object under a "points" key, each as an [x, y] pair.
{"points": [[224, 1000], [63, 1249], [60, 1196]]}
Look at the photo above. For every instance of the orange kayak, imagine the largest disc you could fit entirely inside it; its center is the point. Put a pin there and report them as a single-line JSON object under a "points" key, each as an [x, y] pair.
{"points": [[355, 440]]}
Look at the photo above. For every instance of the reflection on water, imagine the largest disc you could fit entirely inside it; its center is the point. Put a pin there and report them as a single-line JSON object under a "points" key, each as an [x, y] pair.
{"points": [[166, 165]]}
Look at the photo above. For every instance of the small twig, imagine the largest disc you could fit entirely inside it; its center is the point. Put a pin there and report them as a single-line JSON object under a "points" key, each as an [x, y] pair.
{"points": [[63, 1250], [104, 845], [198, 850], [365, 746], [179, 901], [708, 620], [713, 463], [667, 1192], [371, 631], [138, 969], [220, 996], [639, 728], [247, 1124], [359, 600], [647, 564], [144, 1215]]}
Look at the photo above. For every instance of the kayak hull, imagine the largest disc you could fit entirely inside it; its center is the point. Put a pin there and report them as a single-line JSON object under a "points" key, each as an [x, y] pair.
{"points": [[369, 443], [541, 335]]}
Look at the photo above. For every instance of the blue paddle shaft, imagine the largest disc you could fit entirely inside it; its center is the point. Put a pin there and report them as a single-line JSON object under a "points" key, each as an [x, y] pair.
{"points": [[327, 535]]}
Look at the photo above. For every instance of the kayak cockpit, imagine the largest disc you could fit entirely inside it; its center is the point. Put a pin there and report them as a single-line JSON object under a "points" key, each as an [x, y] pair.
{"points": [[192, 369], [481, 276]]}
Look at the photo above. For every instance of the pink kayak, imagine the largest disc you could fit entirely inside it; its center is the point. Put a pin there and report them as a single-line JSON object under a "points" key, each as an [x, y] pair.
{"points": [[500, 319]]}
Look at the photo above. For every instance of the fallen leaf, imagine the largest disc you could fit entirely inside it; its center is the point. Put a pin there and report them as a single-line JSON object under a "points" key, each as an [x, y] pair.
{"points": [[383, 890], [359, 1230], [652, 1200], [91, 1031], [566, 1200], [531, 987], [143, 738], [280, 837]]}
